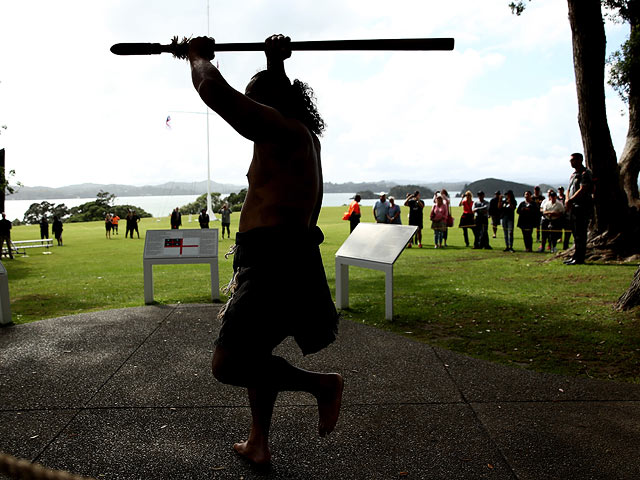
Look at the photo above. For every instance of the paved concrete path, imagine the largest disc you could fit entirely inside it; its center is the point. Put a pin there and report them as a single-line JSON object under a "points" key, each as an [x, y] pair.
{"points": [[127, 394]]}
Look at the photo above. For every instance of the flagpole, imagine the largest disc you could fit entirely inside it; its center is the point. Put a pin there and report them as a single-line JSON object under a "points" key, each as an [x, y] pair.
{"points": [[212, 215]]}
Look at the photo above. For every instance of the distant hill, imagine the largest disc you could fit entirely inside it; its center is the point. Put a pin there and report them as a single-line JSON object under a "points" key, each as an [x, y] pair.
{"points": [[89, 190], [351, 187], [491, 185]]}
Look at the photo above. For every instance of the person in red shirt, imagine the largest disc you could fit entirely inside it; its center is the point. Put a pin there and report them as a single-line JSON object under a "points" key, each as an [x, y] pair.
{"points": [[466, 220], [354, 213]]}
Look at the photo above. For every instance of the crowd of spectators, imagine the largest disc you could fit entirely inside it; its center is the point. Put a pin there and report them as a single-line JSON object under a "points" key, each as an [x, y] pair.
{"points": [[546, 215]]}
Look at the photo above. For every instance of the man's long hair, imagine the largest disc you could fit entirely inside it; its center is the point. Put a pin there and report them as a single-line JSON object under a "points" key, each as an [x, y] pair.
{"points": [[295, 100]]}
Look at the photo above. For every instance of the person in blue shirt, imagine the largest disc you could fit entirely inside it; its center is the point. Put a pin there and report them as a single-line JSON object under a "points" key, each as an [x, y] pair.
{"points": [[381, 209]]}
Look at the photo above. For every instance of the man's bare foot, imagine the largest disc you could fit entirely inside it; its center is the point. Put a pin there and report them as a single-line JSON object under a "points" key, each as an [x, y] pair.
{"points": [[329, 402], [258, 455]]}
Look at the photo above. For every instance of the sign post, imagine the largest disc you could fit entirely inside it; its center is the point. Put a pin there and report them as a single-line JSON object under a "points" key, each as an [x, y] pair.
{"points": [[375, 246], [179, 247]]}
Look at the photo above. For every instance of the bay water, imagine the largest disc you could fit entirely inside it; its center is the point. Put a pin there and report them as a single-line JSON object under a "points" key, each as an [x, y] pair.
{"points": [[161, 206]]}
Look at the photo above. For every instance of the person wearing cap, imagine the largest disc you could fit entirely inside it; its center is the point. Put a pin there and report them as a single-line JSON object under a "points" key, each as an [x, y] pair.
{"points": [[394, 212], [579, 203], [552, 213], [353, 214], [494, 211], [481, 211], [203, 219], [381, 209], [416, 210]]}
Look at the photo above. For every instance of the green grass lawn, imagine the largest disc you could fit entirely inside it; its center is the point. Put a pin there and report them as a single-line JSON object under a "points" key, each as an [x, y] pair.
{"points": [[514, 308]]}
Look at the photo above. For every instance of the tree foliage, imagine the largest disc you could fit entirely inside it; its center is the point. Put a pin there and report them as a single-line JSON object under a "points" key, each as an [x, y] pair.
{"points": [[6, 179], [37, 211], [98, 209], [201, 202], [235, 201]]}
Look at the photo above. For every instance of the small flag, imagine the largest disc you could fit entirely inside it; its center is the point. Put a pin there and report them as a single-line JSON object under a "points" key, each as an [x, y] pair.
{"points": [[168, 123]]}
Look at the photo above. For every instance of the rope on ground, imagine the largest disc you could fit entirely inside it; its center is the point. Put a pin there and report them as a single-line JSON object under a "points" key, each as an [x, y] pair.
{"points": [[20, 469]]}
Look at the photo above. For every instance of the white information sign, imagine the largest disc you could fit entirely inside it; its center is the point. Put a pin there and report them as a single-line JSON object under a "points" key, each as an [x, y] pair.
{"points": [[371, 245], [177, 247]]}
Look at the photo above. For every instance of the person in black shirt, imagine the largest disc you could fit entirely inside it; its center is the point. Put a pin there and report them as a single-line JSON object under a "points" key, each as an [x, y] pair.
{"points": [[416, 208], [203, 218], [5, 234], [528, 219], [580, 205]]}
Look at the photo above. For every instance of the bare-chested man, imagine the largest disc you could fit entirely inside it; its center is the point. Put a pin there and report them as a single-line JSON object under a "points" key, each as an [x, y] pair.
{"points": [[280, 288]]}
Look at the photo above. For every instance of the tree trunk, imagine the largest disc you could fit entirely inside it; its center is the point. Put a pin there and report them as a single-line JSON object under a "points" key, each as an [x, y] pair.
{"points": [[630, 158], [3, 180], [631, 297], [589, 42]]}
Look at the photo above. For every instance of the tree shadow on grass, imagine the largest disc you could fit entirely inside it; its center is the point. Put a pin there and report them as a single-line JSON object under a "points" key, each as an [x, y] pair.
{"points": [[573, 336]]}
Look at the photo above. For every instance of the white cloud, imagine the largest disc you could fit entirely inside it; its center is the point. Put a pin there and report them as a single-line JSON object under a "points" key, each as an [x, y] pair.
{"points": [[76, 113]]}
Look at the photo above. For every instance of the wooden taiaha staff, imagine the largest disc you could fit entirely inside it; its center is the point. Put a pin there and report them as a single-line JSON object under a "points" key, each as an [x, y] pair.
{"points": [[179, 49]]}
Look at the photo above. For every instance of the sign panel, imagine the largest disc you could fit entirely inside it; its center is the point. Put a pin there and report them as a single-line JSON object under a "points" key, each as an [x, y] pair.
{"points": [[376, 242], [190, 243]]}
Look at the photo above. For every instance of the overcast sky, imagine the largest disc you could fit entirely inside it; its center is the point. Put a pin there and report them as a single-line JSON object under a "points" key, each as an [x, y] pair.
{"points": [[502, 104]]}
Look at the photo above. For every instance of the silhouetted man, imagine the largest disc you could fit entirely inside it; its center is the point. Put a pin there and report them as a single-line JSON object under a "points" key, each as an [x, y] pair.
{"points": [[580, 206], [276, 294], [5, 235], [203, 218]]}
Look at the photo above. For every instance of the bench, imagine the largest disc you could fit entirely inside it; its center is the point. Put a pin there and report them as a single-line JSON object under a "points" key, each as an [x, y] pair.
{"points": [[21, 246]]}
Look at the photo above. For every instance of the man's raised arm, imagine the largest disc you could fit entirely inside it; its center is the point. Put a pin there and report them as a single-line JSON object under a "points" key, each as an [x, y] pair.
{"points": [[250, 119]]}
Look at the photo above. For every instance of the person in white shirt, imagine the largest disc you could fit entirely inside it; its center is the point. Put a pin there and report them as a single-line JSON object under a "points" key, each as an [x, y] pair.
{"points": [[551, 223]]}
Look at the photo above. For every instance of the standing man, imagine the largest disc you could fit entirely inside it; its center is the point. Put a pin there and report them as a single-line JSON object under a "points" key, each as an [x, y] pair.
{"points": [[416, 210], [225, 219], [135, 219], [176, 219], [580, 206], [5, 234], [44, 228], [494, 211], [203, 218], [381, 209], [481, 209], [283, 202], [528, 219], [538, 198]]}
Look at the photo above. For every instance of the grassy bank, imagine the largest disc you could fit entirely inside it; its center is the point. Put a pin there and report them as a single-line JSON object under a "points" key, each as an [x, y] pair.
{"points": [[512, 308]]}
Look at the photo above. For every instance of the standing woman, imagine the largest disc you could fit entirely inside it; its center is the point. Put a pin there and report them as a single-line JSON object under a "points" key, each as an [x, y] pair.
{"points": [[466, 220], [447, 201], [107, 225], [439, 215], [507, 207], [394, 212], [56, 228]]}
